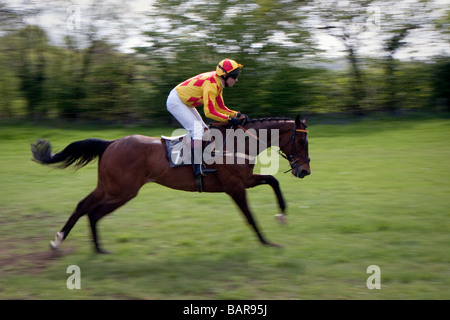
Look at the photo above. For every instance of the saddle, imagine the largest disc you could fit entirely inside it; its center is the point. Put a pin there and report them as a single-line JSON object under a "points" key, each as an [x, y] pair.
{"points": [[178, 152]]}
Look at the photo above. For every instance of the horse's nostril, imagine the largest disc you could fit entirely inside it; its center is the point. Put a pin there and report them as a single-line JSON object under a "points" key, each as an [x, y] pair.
{"points": [[301, 173]]}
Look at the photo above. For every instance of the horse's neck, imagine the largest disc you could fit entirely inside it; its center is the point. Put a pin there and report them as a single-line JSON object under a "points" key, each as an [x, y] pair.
{"points": [[270, 132], [256, 136]]}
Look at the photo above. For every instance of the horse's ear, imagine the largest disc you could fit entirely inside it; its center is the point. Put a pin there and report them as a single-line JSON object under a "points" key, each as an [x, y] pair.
{"points": [[297, 120]]}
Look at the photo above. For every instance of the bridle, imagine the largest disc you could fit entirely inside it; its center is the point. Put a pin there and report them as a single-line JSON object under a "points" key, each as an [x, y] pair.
{"points": [[292, 154], [290, 157]]}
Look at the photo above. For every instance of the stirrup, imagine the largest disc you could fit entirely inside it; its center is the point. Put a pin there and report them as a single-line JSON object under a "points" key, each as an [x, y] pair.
{"points": [[200, 170], [206, 171]]}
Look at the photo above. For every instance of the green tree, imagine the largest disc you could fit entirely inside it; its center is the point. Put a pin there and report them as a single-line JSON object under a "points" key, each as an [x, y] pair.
{"points": [[266, 36], [441, 83], [9, 88], [66, 86], [107, 79], [392, 45], [399, 24], [32, 42], [346, 21]]}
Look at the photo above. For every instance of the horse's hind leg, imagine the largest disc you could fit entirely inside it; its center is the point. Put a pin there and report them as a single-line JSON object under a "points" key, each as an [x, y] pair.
{"points": [[95, 215], [83, 207]]}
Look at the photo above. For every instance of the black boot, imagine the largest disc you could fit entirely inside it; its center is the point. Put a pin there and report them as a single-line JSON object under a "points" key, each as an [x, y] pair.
{"points": [[199, 168], [197, 163]]}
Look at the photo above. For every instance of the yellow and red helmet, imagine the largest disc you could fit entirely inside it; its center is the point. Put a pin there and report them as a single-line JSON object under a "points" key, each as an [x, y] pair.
{"points": [[228, 67]]}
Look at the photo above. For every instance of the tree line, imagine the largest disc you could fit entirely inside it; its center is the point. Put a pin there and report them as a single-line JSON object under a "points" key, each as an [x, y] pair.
{"points": [[280, 78]]}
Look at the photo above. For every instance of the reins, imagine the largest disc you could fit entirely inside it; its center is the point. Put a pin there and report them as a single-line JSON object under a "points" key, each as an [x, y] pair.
{"points": [[289, 158]]}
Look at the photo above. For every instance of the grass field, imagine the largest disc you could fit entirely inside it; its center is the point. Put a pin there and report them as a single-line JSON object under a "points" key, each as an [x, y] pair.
{"points": [[378, 195]]}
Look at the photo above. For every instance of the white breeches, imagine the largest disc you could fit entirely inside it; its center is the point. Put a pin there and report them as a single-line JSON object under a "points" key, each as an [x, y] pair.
{"points": [[189, 118]]}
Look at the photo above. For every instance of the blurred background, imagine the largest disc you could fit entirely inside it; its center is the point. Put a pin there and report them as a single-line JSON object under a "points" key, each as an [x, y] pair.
{"points": [[117, 60], [378, 193]]}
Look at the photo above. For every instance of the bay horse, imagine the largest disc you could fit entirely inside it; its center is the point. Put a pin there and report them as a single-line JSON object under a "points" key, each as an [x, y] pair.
{"points": [[126, 164]]}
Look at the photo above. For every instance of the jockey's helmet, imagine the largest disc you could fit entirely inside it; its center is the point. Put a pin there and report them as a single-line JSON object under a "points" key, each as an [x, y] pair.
{"points": [[228, 67]]}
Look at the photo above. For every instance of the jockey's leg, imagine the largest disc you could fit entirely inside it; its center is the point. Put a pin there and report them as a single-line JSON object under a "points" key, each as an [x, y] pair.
{"points": [[191, 120], [197, 159]]}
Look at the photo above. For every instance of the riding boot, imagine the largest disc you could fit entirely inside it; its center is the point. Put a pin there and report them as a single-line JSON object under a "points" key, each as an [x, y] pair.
{"points": [[197, 162]]}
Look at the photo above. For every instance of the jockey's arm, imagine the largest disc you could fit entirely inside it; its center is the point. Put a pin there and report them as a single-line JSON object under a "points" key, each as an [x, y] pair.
{"points": [[215, 108]]}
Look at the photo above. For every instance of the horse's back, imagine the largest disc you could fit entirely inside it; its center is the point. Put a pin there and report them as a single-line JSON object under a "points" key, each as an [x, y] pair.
{"points": [[138, 139], [132, 148], [126, 161]]}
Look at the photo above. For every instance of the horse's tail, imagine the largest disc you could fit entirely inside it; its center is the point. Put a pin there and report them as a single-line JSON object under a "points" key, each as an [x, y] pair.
{"points": [[78, 153]]}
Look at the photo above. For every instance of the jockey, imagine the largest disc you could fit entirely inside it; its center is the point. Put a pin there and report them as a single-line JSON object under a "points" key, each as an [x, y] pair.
{"points": [[206, 89]]}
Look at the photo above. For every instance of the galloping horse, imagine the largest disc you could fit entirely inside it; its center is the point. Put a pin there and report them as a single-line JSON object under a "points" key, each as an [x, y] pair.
{"points": [[126, 164]]}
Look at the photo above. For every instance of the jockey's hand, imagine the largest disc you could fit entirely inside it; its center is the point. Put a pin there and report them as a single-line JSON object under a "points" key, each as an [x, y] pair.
{"points": [[234, 121], [243, 118]]}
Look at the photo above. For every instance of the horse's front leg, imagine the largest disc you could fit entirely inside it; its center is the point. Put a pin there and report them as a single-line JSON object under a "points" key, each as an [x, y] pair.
{"points": [[239, 196], [257, 180]]}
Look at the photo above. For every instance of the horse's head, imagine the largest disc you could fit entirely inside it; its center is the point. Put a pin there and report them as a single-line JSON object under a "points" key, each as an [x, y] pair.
{"points": [[295, 148]]}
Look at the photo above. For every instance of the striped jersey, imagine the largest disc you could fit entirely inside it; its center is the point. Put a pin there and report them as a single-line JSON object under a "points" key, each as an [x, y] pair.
{"points": [[205, 89]]}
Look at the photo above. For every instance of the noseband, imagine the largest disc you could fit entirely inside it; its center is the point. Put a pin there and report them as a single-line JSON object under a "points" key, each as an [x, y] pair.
{"points": [[290, 157]]}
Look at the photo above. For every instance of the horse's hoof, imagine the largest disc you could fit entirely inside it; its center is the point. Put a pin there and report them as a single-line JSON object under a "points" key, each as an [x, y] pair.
{"points": [[53, 245], [282, 218], [59, 237], [271, 244], [101, 251], [275, 245]]}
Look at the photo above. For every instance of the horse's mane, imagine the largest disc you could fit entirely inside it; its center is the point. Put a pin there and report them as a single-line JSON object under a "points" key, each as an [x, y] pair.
{"points": [[276, 119], [268, 119]]}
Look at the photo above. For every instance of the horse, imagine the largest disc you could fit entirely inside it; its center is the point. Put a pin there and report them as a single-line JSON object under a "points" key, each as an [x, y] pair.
{"points": [[126, 164]]}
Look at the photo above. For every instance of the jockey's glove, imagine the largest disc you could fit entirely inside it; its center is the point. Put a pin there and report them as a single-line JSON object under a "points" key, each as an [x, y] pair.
{"points": [[243, 118], [233, 121]]}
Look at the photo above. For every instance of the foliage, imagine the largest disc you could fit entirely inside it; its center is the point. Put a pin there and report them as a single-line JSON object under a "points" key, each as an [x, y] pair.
{"points": [[282, 73], [441, 83]]}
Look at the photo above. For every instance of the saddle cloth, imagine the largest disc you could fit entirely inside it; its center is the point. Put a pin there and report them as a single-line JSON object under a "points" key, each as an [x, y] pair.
{"points": [[178, 150]]}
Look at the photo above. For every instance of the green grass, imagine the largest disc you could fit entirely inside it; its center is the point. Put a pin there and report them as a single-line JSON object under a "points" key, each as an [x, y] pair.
{"points": [[378, 195]]}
